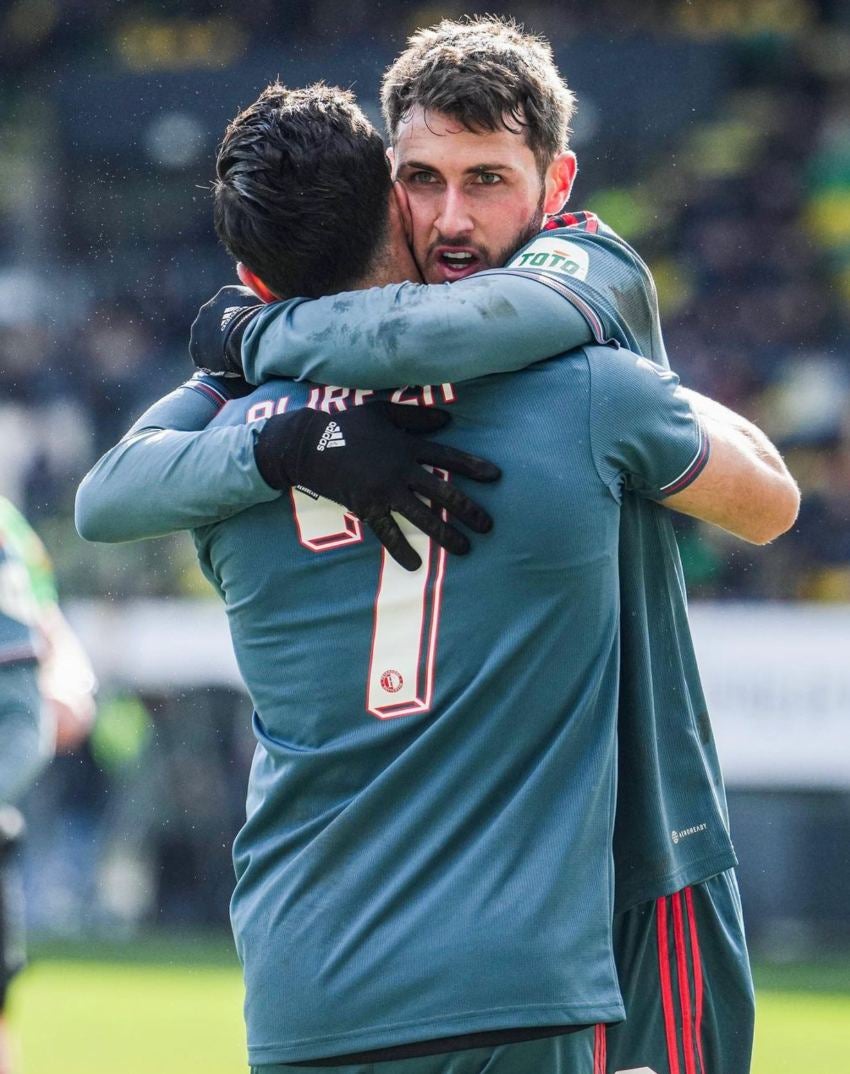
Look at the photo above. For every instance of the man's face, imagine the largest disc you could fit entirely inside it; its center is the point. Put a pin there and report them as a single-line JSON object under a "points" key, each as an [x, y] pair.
{"points": [[474, 197]]}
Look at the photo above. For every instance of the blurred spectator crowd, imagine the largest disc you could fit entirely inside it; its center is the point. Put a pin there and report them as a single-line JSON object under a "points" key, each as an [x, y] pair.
{"points": [[107, 250]]}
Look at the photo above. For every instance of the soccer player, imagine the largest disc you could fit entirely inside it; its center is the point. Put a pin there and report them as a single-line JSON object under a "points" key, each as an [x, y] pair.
{"points": [[478, 116], [427, 875], [46, 701]]}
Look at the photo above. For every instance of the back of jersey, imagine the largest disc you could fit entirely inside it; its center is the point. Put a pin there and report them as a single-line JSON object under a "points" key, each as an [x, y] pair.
{"points": [[430, 814], [428, 844]]}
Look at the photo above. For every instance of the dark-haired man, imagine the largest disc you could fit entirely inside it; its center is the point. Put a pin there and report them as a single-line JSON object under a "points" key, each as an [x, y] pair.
{"points": [[478, 118], [423, 873], [452, 101]]}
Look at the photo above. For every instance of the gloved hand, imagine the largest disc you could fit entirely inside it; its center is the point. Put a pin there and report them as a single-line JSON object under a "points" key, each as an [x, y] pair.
{"points": [[368, 459], [215, 339]]}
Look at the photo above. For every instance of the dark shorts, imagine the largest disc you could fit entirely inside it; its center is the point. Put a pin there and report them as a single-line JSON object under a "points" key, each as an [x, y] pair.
{"points": [[12, 949], [686, 983], [573, 1053]]}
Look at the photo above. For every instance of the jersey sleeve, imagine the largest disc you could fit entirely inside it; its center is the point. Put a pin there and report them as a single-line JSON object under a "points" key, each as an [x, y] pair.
{"points": [[386, 337], [606, 281], [644, 434], [170, 472], [20, 536]]}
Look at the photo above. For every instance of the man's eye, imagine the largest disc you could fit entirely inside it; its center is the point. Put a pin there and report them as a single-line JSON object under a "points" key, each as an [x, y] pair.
{"points": [[489, 178], [421, 178]]}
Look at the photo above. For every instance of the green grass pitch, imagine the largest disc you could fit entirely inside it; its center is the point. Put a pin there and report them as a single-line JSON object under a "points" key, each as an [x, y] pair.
{"points": [[165, 1008]]}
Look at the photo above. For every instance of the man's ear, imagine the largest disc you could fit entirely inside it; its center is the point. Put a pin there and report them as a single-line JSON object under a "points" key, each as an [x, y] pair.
{"points": [[558, 182], [252, 280], [391, 159]]}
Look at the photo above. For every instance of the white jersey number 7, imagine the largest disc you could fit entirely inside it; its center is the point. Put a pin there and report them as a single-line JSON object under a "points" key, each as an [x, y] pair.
{"points": [[406, 618]]}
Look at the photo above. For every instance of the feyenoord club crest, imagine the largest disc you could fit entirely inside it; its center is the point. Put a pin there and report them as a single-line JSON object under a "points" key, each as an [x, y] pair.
{"points": [[392, 681]]}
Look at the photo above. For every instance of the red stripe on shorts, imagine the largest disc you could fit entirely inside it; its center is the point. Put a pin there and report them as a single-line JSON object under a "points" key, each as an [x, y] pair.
{"points": [[666, 985], [698, 986], [600, 1049], [684, 985]]}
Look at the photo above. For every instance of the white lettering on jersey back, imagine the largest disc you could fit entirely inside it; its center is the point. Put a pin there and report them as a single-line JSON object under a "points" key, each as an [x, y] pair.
{"points": [[555, 255], [266, 408], [636, 1070], [333, 398], [424, 396]]}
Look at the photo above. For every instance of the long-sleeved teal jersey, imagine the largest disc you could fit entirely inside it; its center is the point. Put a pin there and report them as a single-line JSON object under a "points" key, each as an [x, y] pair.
{"points": [[427, 850], [672, 822], [575, 283]]}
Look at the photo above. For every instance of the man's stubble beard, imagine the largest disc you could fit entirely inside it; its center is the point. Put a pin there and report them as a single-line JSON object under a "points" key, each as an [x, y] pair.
{"points": [[524, 235]]}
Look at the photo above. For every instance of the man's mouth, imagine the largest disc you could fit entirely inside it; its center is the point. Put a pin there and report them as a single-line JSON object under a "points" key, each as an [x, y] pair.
{"points": [[454, 264]]}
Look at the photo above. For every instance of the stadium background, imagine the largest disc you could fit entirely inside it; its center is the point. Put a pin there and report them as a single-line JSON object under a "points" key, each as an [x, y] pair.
{"points": [[713, 134]]}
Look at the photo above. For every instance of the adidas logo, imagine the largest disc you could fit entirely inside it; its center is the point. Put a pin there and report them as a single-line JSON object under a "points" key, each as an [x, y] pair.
{"points": [[228, 316], [331, 437]]}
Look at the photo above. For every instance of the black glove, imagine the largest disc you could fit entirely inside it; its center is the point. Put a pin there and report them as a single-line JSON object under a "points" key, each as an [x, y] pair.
{"points": [[366, 459], [215, 339]]}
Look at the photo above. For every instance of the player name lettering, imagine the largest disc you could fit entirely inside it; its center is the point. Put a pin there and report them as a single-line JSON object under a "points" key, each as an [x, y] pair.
{"points": [[331, 398]]}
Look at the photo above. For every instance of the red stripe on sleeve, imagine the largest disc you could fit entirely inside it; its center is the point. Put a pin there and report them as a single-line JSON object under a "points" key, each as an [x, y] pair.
{"points": [[666, 985], [209, 392], [697, 964], [684, 985]]}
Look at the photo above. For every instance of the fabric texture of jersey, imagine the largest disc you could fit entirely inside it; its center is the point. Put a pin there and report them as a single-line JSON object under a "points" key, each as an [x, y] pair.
{"points": [[672, 823], [427, 849]]}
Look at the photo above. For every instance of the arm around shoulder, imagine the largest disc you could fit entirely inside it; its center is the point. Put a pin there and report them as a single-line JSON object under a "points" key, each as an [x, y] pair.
{"points": [[745, 487], [170, 473]]}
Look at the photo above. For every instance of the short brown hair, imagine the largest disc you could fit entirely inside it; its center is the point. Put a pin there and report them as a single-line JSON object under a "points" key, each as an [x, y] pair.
{"points": [[302, 190], [488, 74]]}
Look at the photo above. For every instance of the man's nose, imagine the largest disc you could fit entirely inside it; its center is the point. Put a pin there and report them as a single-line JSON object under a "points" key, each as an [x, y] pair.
{"points": [[454, 217]]}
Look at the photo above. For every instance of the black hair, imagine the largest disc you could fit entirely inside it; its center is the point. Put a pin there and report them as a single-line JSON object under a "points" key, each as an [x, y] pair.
{"points": [[302, 187]]}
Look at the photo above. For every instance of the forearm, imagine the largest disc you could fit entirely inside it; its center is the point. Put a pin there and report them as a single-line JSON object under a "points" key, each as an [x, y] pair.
{"points": [[160, 481], [26, 748], [746, 487], [752, 440], [414, 333]]}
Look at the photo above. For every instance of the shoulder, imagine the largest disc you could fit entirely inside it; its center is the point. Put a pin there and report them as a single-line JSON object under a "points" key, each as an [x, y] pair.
{"points": [[582, 251], [618, 369]]}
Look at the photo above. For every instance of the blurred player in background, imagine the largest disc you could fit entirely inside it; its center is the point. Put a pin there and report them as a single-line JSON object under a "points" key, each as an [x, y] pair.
{"points": [[477, 115], [46, 704], [106, 511]]}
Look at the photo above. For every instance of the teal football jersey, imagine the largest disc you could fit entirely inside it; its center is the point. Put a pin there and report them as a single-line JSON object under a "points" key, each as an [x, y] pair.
{"points": [[22, 749], [672, 823], [427, 850], [18, 607]]}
